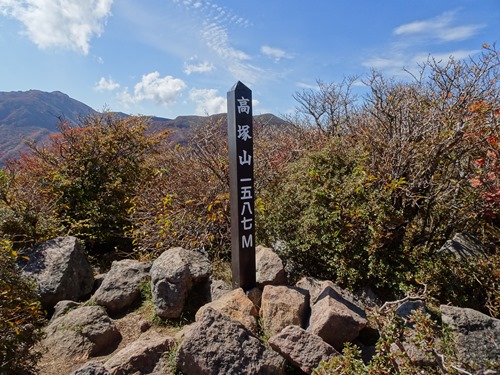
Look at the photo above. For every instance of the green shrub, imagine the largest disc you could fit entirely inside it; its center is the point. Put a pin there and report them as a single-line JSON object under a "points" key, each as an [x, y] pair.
{"points": [[82, 181], [21, 317], [335, 222], [473, 282], [390, 356]]}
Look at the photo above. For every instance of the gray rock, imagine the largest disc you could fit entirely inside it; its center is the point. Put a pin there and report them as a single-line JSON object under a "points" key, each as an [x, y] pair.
{"points": [[406, 308], [301, 348], [463, 246], [218, 288], [218, 345], [416, 355], [172, 275], [139, 356], [62, 307], [269, 267], [85, 331], [336, 316], [60, 270], [92, 368], [283, 306], [477, 335], [121, 285], [312, 285]]}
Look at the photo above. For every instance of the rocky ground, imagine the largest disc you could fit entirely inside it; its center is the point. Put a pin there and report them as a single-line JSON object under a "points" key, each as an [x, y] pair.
{"points": [[173, 315]]}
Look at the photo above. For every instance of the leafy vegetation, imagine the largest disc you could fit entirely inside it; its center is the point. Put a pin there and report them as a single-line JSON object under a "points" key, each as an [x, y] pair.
{"points": [[21, 316], [81, 183], [399, 173]]}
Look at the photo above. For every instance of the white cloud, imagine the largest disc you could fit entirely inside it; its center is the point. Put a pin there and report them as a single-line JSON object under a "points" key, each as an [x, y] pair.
{"points": [[208, 102], [306, 86], [395, 63], [106, 85], [200, 67], [217, 22], [444, 56], [68, 24], [416, 39], [275, 53], [216, 37], [440, 27], [161, 90]]}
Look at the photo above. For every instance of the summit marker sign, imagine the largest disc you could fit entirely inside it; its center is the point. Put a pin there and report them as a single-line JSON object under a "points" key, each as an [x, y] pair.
{"points": [[241, 179]]}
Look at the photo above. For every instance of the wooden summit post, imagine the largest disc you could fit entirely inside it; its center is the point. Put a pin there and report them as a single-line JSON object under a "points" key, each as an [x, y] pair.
{"points": [[240, 141]]}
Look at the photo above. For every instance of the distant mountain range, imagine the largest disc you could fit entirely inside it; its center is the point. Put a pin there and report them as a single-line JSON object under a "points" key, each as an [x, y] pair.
{"points": [[34, 115]]}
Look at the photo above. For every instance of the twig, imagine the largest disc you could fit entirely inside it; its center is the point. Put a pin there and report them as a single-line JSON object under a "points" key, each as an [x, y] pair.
{"points": [[407, 298]]}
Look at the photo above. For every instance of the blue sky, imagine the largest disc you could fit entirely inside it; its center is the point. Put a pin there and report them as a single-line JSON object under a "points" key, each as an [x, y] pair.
{"points": [[180, 57]]}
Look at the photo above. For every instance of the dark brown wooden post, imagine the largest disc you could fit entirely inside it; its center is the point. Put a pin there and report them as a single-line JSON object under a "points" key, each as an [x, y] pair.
{"points": [[241, 160]]}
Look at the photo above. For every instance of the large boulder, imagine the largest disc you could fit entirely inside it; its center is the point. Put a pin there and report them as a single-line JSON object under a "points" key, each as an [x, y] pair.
{"points": [[269, 267], [237, 306], [121, 285], [172, 275], [336, 316], [140, 356], [60, 270], [85, 331], [283, 306], [301, 348], [217, 345], [476, 336]]}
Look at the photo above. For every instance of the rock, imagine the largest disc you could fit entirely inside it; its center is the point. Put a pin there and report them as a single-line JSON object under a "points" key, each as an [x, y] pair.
{"points": [[283, 306], [336, 316], [98, 279], [185, 331], [269, 267], [368, 297], [172, 275], [237, 306], [463, 246], [476, 335], [85, 331], [255, 295], [416, 355], [312, 285], [62, 307], [139, 356], [301, 348], [60, 270], [92, 368], [121, 285], [219, 345], [217, 289], [404, 311]]}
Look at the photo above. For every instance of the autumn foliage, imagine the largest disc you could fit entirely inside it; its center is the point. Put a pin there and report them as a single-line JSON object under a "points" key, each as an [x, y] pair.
{"points": [[81, 182]]}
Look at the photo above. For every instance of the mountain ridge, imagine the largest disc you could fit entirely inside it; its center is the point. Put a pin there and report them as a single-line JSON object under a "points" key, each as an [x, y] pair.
{"points": [[35, 115]]}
